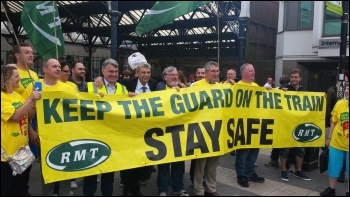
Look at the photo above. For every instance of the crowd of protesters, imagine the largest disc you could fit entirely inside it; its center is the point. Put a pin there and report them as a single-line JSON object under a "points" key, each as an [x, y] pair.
{"points": [[18, 96]]}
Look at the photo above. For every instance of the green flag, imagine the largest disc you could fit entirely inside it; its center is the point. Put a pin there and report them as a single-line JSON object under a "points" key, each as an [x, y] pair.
{"points": [[40, 20], [164, 12], [335, 7]]}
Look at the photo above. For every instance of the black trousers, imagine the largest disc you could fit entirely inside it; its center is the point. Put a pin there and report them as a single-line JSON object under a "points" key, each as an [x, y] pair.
{"points": [[131, 181], [13, 185], [90, 184]]}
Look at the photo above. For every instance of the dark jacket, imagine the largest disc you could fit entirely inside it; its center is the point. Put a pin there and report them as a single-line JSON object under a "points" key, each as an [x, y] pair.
{"points": [[161, 86], [131, 84], [331, 101]]}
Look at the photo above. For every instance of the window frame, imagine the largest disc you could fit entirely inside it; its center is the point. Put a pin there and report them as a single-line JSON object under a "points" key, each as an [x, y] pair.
{"points": [[292, 23]]}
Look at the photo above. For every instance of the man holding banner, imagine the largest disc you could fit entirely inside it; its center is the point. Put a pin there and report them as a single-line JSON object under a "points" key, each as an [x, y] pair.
{"points": [[110, 72], [245, 158], [50, 83], [173, 177], [294, 85], [142, 84], [206, 166]]}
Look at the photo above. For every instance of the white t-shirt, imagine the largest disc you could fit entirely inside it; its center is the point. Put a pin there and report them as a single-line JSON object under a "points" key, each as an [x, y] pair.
{"points": [[267, 85]]}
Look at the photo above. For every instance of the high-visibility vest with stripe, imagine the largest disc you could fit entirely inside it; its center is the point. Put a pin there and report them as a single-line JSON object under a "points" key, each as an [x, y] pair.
{"points": [[120, 89]]}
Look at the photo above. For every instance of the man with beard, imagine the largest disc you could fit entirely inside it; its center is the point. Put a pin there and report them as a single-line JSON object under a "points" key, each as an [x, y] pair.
{"points": [[200, 74], [78, 76], [170, 174]]}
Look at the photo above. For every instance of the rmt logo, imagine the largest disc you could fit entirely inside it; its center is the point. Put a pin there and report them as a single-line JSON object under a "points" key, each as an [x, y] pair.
{"points": [[78, 155], [307, 132]]}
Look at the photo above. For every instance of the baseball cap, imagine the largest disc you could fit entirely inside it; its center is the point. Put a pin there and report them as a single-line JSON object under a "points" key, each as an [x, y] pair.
{"points": [[136, 58]]}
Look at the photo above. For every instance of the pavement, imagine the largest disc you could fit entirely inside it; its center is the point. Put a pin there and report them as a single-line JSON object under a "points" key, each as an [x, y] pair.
{"points": [[226, 181]]}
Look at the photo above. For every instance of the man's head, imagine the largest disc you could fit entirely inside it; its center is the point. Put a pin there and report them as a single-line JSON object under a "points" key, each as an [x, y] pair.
{"points": [[110, 71], [212, 72], [248, 73], [200, 74], [270, 80], [51, 69], [24, 55], [78, 71], [231, 74], [295, 77], [284, 80], [143, 72], [170, 76], [346, 92]]}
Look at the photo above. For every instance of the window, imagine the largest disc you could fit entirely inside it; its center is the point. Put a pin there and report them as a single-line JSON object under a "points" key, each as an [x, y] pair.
{"points": [[298, 15], [331, 23]]}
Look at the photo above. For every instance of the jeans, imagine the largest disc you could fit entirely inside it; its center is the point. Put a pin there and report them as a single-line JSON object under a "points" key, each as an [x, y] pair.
{"points": [[171, 174], [90, 184], [245, 159]]}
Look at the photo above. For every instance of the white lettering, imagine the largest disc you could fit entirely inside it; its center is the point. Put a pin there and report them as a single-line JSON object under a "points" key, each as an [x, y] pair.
{"points": [[56, 23], [79, 155], [65, 157], [45, 9], [93, 151], [301, 132]]}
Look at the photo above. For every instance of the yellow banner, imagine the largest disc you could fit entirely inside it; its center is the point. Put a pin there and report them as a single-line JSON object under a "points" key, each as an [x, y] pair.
{"points": [[335, 7], [82, 134]]}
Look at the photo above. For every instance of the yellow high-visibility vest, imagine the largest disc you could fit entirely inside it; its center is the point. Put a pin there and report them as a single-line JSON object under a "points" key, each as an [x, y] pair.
{"points": [[119, 88]]}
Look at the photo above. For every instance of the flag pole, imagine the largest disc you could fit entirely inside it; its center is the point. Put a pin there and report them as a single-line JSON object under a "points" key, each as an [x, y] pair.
{"points": [[17, 42], [218, 29], [54, 26]]}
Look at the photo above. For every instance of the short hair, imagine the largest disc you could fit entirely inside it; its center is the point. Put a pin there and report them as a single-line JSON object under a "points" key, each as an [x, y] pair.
{"points": [[75, 63], [126, 72], [63, 63], [168, 70], [210, 63], [110, 61], [46, 62], [142, 65], [231, 69], [296, 70], [243, 67], [284, 79], [17, 48], [6, 73]]}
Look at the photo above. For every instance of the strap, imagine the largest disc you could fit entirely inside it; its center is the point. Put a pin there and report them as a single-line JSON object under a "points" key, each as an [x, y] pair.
{"points": [[95, 88], [123, 89], [3, 153]]}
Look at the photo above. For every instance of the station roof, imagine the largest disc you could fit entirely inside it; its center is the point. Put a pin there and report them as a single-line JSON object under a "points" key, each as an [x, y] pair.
{"points": [[89, 22]]}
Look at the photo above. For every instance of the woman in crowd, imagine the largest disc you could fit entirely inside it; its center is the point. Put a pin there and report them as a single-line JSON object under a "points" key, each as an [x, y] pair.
{"points": [[338, 143], [14, 127], [65, 73], [182, 79]]}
